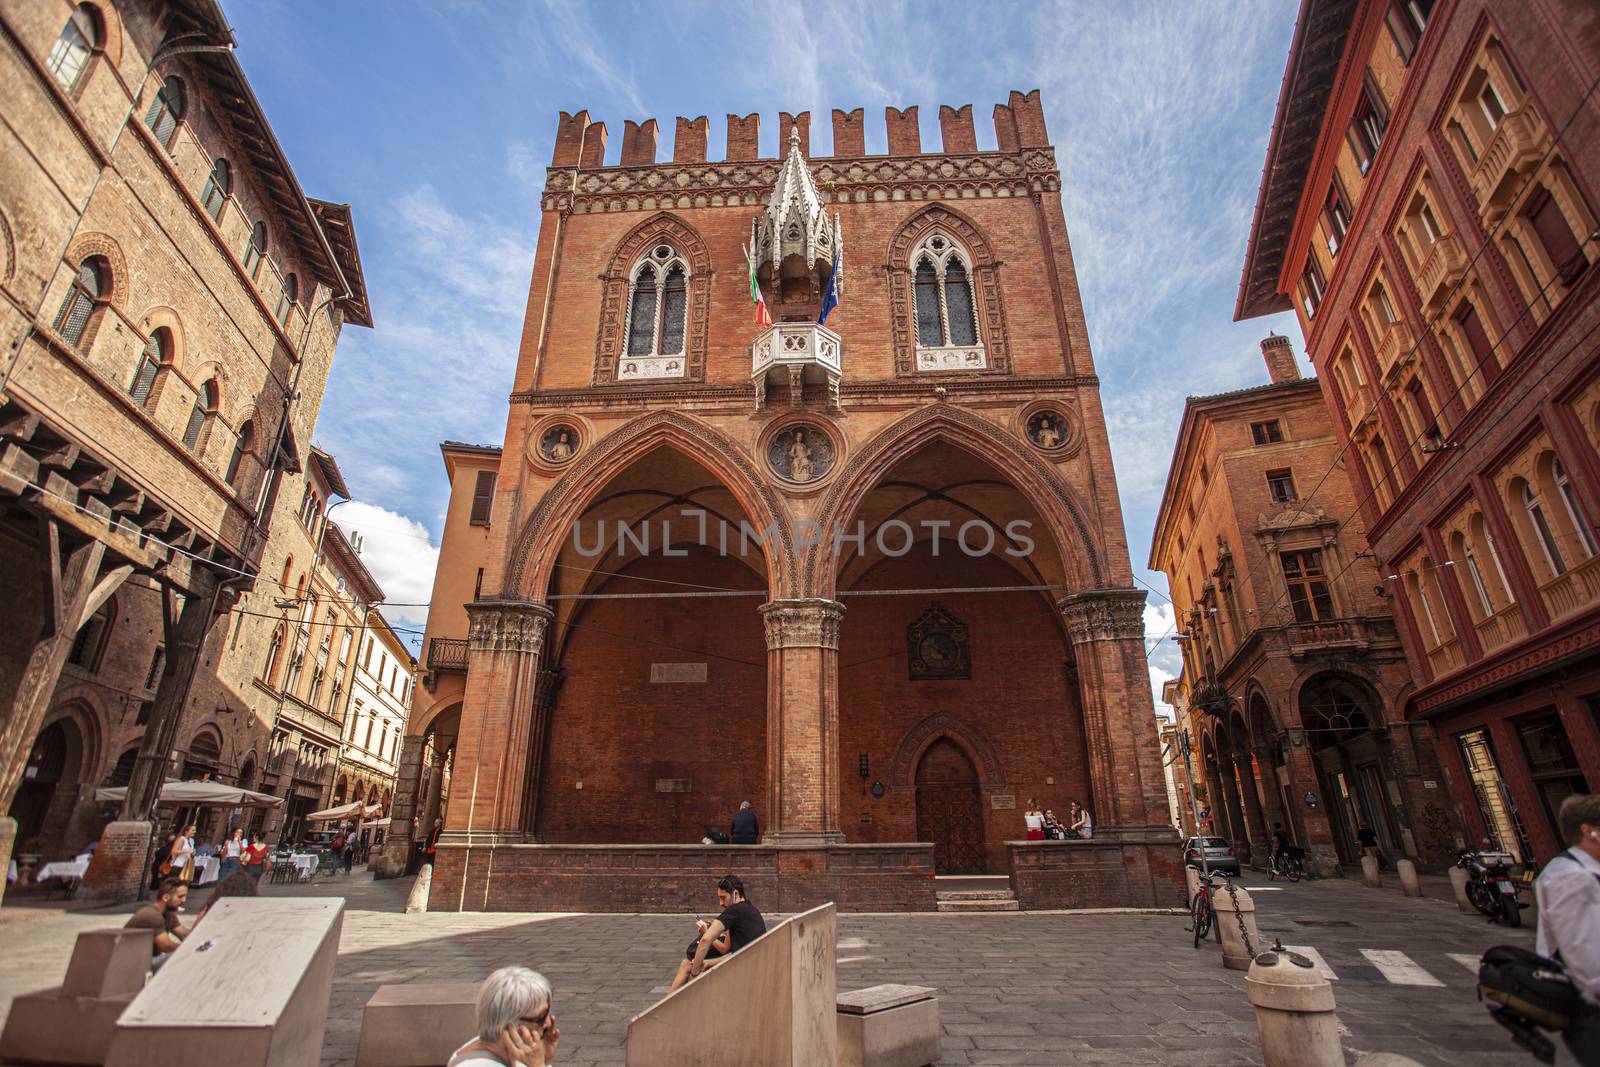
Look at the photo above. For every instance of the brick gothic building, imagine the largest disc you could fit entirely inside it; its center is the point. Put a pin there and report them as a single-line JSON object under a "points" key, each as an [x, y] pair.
{"points": [[1296, 678], [1428, 208], [889, 702], [170, 302]]}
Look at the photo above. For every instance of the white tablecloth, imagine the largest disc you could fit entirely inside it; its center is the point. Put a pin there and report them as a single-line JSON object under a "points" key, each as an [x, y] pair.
{"points": [[67, 869], [305, 863], [205, 869]]}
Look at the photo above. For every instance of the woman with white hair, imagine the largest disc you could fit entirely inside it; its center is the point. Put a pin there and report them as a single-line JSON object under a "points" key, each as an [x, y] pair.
{"points": [[515, 1025]]}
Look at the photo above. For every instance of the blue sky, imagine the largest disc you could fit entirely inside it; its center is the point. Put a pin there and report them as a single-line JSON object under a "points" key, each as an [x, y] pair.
{"points": [[434, 120]]}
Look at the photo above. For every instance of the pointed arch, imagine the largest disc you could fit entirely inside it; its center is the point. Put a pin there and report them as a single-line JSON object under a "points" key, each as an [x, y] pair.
{"points": [[663, 227], [1045, 491], [984, 280], [538, 544], [930, 731]]}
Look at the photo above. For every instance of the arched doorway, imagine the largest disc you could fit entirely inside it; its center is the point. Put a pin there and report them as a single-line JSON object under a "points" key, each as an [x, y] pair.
{"points": [[1355, 761], [46, 770], [950, 809]]}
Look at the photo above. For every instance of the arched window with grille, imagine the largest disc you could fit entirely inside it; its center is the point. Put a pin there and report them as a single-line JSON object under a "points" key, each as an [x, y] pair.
{"points": [[84, 298], [79, 39], [658, 303], [287, 297], [243, 445], [255, 249], [219, 186], [205, 406], [946, 311], [157, 356], [166, 111]]}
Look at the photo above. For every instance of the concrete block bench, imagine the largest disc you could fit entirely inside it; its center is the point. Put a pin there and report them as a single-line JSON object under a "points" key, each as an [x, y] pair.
{"points": [[74, 1023], [888, 1026], [418, 1024]]}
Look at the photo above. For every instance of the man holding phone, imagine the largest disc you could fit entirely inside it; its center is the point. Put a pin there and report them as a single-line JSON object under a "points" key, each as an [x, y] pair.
{"points": [[739, 924]]}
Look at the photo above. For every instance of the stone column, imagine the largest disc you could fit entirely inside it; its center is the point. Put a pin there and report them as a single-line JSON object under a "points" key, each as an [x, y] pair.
{"points": [[505, 641], [1249, 790], [396, 852], [1322, 857], [1237, 834], [802, 721], [546, 686], [1271, 801], [1106, 627]]}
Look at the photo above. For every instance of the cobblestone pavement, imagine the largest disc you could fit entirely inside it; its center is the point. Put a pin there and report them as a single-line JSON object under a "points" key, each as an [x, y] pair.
{"points": [[1028, 988]]}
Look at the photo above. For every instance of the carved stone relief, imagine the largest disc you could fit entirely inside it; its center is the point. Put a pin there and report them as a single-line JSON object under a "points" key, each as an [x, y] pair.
{"points": [[937, 646], [801, 453]]}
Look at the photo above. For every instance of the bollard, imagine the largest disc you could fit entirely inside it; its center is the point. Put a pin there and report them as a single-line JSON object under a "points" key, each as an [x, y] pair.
{"points": [[1236, 921], [1192, 877], [1408, 878], [1369, 872], [417, 900], [1458, 882], [1294, 1011]]}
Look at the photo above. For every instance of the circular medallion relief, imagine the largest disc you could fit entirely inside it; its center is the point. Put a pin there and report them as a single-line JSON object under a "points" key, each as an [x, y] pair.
{"points": [[801, 453], [558, 443], [1049, 430]]}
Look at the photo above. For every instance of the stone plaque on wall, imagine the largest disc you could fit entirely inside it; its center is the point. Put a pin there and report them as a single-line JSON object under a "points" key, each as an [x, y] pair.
{"points": [[677, 672], [1002, 801], [672, 785]]}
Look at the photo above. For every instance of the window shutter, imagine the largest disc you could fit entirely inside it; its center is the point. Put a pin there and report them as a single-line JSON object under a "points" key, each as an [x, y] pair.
{"points": [[1556, 236], [958, 304], [482, 499], [930, 334], [1478, 341], [191, 433]]}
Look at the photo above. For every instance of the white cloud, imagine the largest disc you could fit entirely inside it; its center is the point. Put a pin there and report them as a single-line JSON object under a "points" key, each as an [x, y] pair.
{"points": [[400, 555]]}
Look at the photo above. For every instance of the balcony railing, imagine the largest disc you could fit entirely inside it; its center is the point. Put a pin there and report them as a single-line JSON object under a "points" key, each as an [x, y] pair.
{"points": [[447, 654], [1578, 588], [1442, 268], [1518, 143], [1502, 628], [1446, 657], [797, 354], [1394, 349]]}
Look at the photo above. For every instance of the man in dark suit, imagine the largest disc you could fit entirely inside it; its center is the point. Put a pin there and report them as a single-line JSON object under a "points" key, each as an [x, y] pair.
{"points": [[746, 830]]}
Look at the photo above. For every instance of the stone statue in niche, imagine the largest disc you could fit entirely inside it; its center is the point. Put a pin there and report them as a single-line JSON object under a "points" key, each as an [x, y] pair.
{"points": [[558, 444], [1047, 429], [801, 453], [937, 646]]}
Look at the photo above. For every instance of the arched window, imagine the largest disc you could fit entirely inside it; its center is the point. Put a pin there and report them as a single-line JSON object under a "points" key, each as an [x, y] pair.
{"points": [[255, 249], [242, 446], [83, 298], [658, 302], [1541, 528], [219, 185], [1586, 538], [79, 38], [1460, 549], [157, 354], [205, 406], [90, 644], [946, 314], [122, 770], [274, 650], [166, 111], [287, 297]]}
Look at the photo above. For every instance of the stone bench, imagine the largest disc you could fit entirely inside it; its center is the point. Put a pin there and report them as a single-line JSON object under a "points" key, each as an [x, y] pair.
{"points": [[73, 1024], [888, 1026], [418, 1024]]}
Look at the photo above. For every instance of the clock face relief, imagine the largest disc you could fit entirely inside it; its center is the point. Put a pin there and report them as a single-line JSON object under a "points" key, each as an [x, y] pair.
{"points": [[937, 646]]}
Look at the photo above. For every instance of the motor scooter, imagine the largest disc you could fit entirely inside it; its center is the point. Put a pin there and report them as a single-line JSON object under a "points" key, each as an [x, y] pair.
{"points": [[1491, 887]]}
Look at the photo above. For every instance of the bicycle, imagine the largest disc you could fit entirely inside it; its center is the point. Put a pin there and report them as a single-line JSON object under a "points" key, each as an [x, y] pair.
{"points": [[1289, 862], [1202, 916]]}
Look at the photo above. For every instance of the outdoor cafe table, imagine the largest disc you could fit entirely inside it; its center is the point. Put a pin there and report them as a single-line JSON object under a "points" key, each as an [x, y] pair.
{"points": [[65, 869]]}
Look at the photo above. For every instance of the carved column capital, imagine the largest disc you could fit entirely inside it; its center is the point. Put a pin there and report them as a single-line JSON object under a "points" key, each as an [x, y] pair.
{"points": [[507, 626], [802, 623], [1103, 615]]}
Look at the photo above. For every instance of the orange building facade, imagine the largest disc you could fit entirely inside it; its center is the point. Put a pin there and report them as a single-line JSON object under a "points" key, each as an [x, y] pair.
{"points": [[1428, 210], [869, 575]]}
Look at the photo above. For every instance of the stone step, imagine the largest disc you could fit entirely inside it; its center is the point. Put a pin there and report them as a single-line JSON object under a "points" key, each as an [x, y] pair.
{"points": [[976, 894], [946, 904]]}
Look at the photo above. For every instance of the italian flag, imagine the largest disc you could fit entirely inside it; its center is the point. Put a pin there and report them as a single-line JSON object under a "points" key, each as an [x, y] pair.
{"points": [[762, 316]]}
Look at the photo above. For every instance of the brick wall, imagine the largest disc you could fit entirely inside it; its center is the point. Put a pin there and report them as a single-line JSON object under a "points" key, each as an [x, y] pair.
{"points": [[1111, 871]]}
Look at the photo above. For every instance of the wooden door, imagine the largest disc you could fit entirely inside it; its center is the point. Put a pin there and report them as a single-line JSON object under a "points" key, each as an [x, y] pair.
{"points": [[950, 809]]}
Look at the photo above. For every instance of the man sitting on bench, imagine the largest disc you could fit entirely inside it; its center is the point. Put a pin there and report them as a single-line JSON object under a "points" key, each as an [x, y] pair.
{"points": [[738, 925]]}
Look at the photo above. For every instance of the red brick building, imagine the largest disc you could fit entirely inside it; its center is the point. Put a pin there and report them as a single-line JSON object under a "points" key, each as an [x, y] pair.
{"points": [[871, 576], [1428, 209]]}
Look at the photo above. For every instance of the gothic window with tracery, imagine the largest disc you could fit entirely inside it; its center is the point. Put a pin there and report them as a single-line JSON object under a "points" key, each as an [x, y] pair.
{"points": [[945, 310], [658, 303]]}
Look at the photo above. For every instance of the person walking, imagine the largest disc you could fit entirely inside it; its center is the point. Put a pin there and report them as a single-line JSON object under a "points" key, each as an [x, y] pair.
{"points": [[1033, 820], [746, 827], [181, 864], [1568, 892], [349, 850], [232, 853], [255, 857]]}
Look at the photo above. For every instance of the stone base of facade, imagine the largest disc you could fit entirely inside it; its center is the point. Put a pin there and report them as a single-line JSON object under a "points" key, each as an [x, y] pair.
{"points": [[1136, 868], [119, 863], [496, 875]]}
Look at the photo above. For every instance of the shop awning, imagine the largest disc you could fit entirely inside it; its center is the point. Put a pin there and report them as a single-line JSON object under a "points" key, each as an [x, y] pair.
{"points": [[352, 810], [205, 794]]}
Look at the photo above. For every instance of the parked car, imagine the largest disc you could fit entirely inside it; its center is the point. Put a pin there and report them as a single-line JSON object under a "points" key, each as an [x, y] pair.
{"points": [[1219, 855], [318, 839]]}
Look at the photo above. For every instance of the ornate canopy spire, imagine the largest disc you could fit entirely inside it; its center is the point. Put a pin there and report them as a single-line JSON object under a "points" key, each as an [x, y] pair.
{"points": [[795, 223]]}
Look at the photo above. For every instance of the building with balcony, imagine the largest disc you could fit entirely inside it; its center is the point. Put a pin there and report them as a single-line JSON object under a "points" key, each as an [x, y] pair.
{"points": [[1427, 208], [1294, 681], [171, 304], [375, 718], [865, 569]]}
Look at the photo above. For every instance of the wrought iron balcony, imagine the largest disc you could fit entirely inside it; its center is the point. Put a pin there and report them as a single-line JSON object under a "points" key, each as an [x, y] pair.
{"points": [[447, 654], [796, 354], [1443, 267], [1325, 635], [1518, 143]]}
